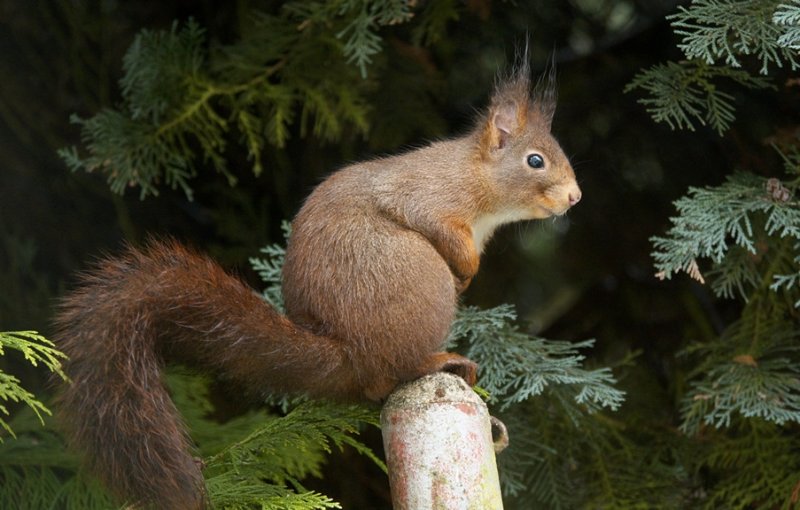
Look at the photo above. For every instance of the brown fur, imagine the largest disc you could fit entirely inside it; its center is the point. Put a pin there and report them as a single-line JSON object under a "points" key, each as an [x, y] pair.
{"points": [[377, 257]]}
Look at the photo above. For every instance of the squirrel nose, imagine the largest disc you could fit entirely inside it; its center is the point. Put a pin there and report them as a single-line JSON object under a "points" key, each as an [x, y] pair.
{"points": [[574, 198]]}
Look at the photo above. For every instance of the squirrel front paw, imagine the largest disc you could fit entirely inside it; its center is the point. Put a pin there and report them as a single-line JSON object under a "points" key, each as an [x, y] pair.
{"points": [[462, 283]]}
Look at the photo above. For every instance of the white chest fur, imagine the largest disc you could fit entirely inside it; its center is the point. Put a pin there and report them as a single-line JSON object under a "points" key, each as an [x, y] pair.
{"points": [[484, 226]]}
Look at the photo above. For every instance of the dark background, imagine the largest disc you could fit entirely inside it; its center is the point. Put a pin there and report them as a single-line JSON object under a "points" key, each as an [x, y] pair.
{"points": [[588, 275]]}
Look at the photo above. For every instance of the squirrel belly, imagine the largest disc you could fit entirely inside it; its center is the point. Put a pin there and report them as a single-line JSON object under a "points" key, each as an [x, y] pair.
{"points": [[378, 286]]}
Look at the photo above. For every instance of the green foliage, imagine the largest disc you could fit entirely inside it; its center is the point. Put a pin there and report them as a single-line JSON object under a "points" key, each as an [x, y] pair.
{"points": [[717, 35], [684, 93], [36, 349], [179, 102], [712, 220], [361, 41], [769, 390], [741, 398], [286, 449], [565, 452], [34, 463], [726, 30], [254, 460], [546, 399], [258, 459], [160, 136], [787, 17], [270, 268], [595, 464], [757, 464], [157, 66], [37, 471], [516, 366], [743, 388]]}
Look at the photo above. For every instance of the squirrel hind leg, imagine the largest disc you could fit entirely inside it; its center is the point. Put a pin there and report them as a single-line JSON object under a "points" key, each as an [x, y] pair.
{"points": [[449, 362]]}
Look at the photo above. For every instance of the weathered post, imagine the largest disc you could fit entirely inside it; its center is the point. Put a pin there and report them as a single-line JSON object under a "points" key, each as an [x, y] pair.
{"points": [[437, 435]]}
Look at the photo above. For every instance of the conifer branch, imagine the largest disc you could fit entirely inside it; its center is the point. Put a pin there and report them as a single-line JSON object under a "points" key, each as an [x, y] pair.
{"points": [[284, 450], [180, 101], [683, 94], [768, 389], [36, 349], [517, 367], [727, 30], [712, 220], [717, 35], [758, 467], [787, 17]]}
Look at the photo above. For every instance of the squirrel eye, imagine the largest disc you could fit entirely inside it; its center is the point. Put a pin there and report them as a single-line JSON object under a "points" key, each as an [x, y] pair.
{"points": [[535, 161]]}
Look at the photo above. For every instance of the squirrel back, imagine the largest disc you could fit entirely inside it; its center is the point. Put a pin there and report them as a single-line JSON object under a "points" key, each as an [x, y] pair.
{"points": [[378, 255]]}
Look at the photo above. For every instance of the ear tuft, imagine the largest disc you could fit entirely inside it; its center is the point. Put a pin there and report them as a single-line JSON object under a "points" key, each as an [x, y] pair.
{"points": [[514, 104], [545, 94]]}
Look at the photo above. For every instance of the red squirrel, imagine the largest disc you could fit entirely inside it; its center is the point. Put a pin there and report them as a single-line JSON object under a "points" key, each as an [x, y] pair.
{"points": [[378, 255]]}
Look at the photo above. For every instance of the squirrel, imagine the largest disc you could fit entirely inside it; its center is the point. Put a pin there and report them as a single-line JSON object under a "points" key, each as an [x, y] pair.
{"points": [[377, 258]]}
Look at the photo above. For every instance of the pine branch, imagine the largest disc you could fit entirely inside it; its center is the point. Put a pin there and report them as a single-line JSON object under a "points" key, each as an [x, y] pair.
{"points": [[743, 398], [716, 35], [539, 468], [182, 101], [597, 462], [258, 459], [232, 492], [789, 282], [34, 488], [157, 68]]}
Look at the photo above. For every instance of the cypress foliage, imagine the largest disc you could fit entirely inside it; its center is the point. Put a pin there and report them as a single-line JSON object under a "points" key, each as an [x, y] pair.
{"points": [[742, 402], [181, 99], [36, 350]]}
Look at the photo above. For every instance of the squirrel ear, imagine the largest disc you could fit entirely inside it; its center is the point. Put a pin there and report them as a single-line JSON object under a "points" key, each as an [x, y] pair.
{"points": [[508, 110], [504, 122]]}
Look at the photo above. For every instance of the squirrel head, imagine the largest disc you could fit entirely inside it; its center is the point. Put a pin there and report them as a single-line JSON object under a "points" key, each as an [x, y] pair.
{"points": [[522, 161]]}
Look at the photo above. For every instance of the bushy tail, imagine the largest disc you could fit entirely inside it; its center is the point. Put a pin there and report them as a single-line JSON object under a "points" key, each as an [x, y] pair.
{"points": [[132, 313]]}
